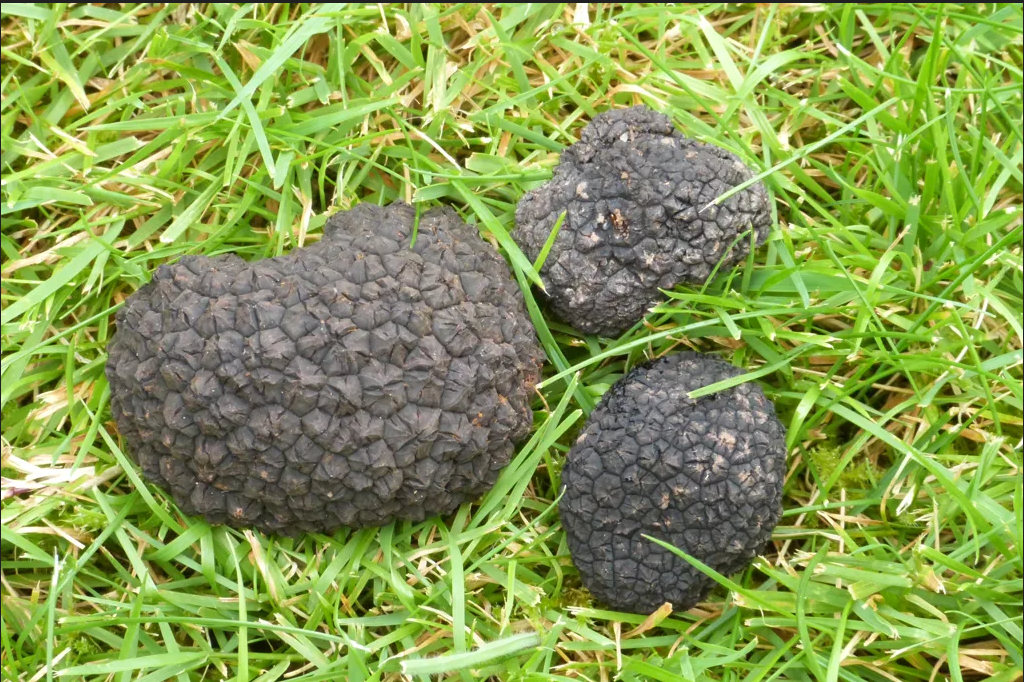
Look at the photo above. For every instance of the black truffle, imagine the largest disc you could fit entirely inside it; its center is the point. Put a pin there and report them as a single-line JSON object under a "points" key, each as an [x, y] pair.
{"points": [[637, 197], [704, 475], [351, 382]]}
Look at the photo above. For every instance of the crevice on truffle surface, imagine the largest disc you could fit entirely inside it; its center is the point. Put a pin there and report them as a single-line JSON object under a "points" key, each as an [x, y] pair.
{"points": [[348, 383], [704, 475], [639, 217]]}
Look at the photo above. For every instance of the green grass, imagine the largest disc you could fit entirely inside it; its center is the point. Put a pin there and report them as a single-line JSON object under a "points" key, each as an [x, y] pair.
{"points": [[883, 317]]}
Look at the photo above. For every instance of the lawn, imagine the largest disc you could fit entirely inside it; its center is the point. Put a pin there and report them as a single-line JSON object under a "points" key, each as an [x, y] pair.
{"points": [[883, 318]]}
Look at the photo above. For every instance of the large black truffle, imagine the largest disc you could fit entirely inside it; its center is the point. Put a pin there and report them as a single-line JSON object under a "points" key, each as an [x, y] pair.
{"points": [[637, 197], [351, 382], [704, 475]]}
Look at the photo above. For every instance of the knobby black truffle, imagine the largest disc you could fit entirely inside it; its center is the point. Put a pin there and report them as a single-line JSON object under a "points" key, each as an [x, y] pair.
{"points": [[704, 475], [637, 197], [351, 382]]}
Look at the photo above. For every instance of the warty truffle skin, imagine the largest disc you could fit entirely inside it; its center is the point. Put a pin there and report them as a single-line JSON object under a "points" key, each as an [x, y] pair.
{"points": [[637, 197], [704, 475], [348, 383]]}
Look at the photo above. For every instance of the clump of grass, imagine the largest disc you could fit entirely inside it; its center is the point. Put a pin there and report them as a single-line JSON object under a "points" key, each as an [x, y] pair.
{"points": [[883, 318], [828, 459]]}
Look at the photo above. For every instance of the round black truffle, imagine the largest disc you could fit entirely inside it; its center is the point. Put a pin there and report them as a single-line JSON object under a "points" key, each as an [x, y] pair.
{"points": [[348, 383], [704, 475], [637, 197]]}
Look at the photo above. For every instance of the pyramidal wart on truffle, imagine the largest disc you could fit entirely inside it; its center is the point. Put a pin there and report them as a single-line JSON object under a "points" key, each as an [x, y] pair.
{"points": [[638, 197], [704, 475], [348, 383]]}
